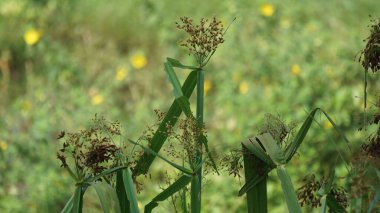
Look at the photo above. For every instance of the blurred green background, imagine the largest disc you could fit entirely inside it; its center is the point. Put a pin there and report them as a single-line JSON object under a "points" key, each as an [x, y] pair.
{"points": [[62, 61]]}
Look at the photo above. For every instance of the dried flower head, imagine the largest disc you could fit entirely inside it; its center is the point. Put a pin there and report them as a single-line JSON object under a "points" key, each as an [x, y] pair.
{"points": [[307, 193], [370, 56], [203, 38], [92, 149], [233, 163]]}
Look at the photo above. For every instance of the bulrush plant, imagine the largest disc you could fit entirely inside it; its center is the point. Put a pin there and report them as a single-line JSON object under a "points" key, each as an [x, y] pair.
{"points": [[202, 42]]}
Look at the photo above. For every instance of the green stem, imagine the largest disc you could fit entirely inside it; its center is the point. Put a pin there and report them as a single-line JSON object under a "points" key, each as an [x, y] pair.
{"points": [[257, 196], [196, 183]]}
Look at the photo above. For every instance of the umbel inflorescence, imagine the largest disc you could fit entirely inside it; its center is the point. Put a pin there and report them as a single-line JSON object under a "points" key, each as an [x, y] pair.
{"points": [[203, 38], [370, 56]]}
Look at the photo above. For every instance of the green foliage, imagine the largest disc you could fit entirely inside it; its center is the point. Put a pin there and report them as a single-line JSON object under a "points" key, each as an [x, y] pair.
{"points": [[298, 58]]}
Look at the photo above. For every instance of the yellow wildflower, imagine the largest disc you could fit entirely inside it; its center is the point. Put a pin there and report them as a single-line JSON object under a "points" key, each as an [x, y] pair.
{"points": [[3, 145], [327, 125], [267, 10], [243, 87], [32, 36], [207, 86], [138, 60], [296, 69], [121, 73], [97, 99]]}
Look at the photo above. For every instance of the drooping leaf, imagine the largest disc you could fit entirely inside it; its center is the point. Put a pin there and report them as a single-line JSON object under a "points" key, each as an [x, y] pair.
{"points": [[173, 79], [172, 189], [170, 118], [176, 63], [288, 190], [130, 190], [253, 146], [272, 148]]}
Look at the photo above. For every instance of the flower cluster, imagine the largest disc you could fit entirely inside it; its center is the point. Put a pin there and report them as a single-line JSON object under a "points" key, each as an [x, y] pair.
{"points": [[92, 149], [203, 39], [370, 56], [307, 193]]}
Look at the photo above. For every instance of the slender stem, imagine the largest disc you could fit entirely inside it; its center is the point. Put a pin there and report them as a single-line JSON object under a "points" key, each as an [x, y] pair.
{"points": [[196, 183], [365, 100]]}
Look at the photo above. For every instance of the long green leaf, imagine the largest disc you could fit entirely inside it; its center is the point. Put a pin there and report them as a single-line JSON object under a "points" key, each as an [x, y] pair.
{"points": [[173, 79], [170, 118], [121, 193], [181, 168], [288, 190], [107, 196], [69, 205], [176, 63], [179, 184], [78, 200], [272, 148], [104, 173], [184, 103], [253, 146], [292, 148], [294, 145], [257, 195], [130, 190]]}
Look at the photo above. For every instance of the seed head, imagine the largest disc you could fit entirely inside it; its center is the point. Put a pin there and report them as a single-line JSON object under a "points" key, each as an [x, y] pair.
{"points": [[203, 38], [370, 56]]}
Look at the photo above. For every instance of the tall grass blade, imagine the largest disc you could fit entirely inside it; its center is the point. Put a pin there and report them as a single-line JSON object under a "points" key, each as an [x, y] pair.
{"points": [[121, 193], [172, 189], [130, 190], [146, 149], [107, 196], [171, 118], [257, 195], [288, 190], [69, 205]]}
